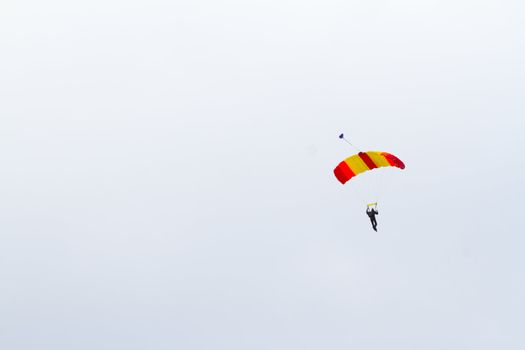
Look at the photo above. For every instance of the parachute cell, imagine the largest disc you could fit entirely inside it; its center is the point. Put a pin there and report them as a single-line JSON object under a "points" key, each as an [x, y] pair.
{"points": [[364, 161]]}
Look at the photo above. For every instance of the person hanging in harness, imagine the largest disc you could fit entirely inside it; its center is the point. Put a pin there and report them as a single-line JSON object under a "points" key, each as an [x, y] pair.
{"points": [[372, 212]]}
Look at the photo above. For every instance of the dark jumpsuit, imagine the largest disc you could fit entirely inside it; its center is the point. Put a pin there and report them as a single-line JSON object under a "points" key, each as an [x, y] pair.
{"points": [[372, 215]]}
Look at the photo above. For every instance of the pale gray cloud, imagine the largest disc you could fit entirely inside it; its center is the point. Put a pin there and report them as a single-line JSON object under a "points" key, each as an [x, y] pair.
{"points": [[167, 175]]}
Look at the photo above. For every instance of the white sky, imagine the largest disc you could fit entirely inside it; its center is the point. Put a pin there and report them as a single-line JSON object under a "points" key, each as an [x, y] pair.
{"points": [[167, 178]]}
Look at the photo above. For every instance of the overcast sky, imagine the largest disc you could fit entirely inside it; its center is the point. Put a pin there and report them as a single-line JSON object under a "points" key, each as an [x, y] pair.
{"points": [[166, 175]]}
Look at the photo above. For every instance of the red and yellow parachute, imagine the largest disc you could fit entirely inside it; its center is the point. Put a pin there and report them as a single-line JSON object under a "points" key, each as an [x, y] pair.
{"points": [[364, 161]]}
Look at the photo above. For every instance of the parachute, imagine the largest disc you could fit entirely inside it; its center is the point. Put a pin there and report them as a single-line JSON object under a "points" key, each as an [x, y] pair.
{"points": [[362, 162], [365, 161]]}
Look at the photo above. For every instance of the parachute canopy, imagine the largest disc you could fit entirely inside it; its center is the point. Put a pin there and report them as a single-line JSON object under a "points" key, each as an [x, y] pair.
{"points": [[364, 161]]}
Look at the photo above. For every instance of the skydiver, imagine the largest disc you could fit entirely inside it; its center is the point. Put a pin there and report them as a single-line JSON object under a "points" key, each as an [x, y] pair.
{"points": [[372, 212]]}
